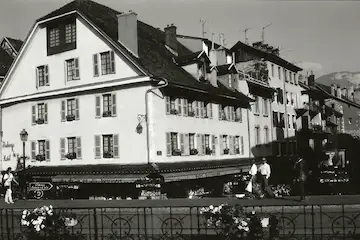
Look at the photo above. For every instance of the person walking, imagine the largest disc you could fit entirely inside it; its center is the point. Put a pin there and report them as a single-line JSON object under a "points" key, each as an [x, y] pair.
{"points": [[301, 176], [265, 172], [8, 178]]}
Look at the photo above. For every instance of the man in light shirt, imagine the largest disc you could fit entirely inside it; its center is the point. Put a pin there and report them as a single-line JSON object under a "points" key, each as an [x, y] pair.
{"points": [[265, 172], [252, 172]]}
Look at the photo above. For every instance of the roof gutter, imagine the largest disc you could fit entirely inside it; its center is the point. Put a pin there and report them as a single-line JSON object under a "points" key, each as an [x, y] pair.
{"points": [[147, 117]]}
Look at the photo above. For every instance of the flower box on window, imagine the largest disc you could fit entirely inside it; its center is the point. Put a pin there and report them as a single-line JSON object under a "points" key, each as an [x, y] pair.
{"points": [[40, 121], [206, 116], [223, 117], [176, 152], [71, 155], [173, 112], [208, 151], [70, 118], [238, 151], [107, 155], [40, 157], [226, 151], [107, 114], [193, 151], [238, 119], [191, 114]]}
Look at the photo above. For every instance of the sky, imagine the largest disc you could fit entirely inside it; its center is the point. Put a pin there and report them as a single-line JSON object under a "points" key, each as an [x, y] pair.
{"points": [[323, 36]]}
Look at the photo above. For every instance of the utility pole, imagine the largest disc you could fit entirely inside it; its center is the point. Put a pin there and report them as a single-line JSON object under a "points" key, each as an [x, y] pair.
{"points": [[203, 27], [263, 32]]}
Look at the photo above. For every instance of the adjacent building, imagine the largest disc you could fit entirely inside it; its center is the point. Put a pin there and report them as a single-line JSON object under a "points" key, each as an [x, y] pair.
{"points": [[9, 49], [106, 98]]}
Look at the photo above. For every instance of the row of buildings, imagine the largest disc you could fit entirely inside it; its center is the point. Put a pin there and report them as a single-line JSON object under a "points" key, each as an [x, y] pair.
{"points": [[107, 99]]}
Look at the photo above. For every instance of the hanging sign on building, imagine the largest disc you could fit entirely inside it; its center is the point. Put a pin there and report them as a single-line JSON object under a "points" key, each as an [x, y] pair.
{"points": [[43, 186]]}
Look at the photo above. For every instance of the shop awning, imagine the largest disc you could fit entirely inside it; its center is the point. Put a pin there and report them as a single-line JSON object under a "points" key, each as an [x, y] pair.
{"points": [[178, 176], [97, 178]]}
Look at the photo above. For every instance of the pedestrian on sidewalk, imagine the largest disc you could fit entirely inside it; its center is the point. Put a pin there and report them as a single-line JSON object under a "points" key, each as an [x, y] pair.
{"points": [[265, 172], [253, 171], [300, 167], [8, 178]]}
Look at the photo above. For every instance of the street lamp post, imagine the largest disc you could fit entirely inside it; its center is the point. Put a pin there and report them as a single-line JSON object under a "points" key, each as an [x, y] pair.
{"points": [[24, 137]]}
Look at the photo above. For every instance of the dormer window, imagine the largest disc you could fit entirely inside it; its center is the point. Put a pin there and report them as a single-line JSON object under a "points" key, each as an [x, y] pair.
{"points": [[202, 71], [61, 36]]}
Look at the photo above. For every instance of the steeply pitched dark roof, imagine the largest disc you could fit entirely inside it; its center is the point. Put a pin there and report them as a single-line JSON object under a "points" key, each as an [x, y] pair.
{"points": [[16, 43], [5, 62], [153, 55], [189, 58], [224, 69], [206, 41], [270, 57], [327, 89]]}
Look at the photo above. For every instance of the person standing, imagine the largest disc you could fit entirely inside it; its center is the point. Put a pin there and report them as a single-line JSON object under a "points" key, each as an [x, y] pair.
{"points": [[301, 176], [265, 172], [253, 171], [8, 179]]}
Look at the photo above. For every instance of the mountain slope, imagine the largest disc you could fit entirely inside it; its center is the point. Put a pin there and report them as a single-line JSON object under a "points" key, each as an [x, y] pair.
{"points": [[344, 79]]}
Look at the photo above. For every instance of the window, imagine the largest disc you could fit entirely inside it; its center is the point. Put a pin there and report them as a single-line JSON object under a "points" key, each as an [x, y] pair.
{"points": [[72, 69], [242, 145], [70, 33], [282, 120], [289, 121], [192, 141], [266, 107], [238, 114], [70, 110], [237, 145], [40, 150], [107, 144], [209, 110], [285, 75], [71, 150], [292, 99], [350, 120], [107, 63], [231, 113], [295, 79], [266, 134], [207, 141], [275, 119], [108, 147], [39, 113], [223, 112], [61, 36], [229, 80], [272, 70], [54, 37], [290, 77], [42, 76], [279, 73], [225, 144], [108, 106], [257, 135]]}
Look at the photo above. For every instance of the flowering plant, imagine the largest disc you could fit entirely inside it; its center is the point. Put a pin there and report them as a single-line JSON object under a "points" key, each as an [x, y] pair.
{"points": [[45, 223], [281, 190], [233, 222]]}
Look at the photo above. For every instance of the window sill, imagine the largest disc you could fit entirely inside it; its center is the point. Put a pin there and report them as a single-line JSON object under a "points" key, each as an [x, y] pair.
{"points": [[266, 115], [73, 80], [256, 114]]}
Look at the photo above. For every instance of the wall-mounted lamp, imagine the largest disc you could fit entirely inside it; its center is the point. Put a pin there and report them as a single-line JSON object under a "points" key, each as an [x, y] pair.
{"points": [[141, 118]]}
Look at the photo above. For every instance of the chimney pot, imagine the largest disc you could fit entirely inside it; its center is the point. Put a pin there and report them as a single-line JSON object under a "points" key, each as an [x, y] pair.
{"points": [[170, 37]]}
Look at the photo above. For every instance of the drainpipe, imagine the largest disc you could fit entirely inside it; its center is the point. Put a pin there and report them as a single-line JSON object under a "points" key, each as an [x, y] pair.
{"points": [[147, 118], [248, 127]]}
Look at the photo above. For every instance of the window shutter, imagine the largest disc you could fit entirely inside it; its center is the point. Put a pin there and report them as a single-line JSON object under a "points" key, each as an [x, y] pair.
{"points": [[198, 144], [221, 145], [96, 65], [196, 108], [97, 146], [210, 110], [47, 150], [185, 106], [203, 151], [234, 145], [220, 111], [116, 146], [77, 110], [77, 68], [167, 103], [47, 82], [233, 113], [33, 114], [231, 145], [33, 150], [242, 145], [186, 144], [213, 144], [179, 105], [78, 148], [62, 148], [201, 111], [37, 77], [62, 112], [45, 113], [168, 144], [112, 61], [97, 107], [182, 143], [113, 102]]}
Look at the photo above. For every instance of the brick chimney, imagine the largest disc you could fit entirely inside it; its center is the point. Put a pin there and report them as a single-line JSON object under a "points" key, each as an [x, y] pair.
{"points": [[333, 89], [350, 92], [311, 80], [338, 91], [170, 37], [127, 31], [344, 92]]}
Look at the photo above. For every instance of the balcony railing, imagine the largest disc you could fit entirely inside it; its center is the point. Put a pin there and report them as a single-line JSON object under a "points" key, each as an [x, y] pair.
{"points": [[332, 120], [182, 219]]}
